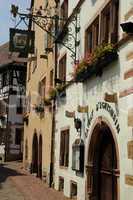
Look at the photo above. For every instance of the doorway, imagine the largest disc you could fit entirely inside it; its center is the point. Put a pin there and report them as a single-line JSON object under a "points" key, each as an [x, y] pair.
{"points": [[35, 154], [40, 157], [103, 170]]}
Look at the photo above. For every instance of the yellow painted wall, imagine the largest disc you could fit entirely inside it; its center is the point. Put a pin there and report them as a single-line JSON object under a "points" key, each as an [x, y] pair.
{"points": [[44, 125]]}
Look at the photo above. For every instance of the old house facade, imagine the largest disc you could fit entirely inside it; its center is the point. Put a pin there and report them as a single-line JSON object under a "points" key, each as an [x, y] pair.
{"points": [[12, 93], [39, 113], [94, 121]]}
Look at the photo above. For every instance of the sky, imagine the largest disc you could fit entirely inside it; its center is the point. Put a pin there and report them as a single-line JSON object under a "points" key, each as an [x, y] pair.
{"points": [[6, 20]]}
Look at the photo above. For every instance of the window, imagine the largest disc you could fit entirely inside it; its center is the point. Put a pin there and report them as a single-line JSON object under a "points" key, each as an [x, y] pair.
{"points": [[104, 28], [0, 80], [62, 69], [21, 77], [73, 190], [78, 156], [64, 12], [51, 78], [109, 22], [19, 106], [18, 136], [5, 79], [3, 107], [106, 24], [42, 88], [64, 148], [61, 184], [92, 36], [49, 39], [29, 71], [26, 149]]}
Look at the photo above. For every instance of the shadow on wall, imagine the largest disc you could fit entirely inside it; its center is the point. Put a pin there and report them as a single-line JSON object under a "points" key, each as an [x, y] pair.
{"points": [[93, 1], [6, 172]]}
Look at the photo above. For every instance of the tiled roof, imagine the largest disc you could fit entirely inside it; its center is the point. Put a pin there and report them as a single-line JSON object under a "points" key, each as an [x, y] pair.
{"points": [[7, 57]]}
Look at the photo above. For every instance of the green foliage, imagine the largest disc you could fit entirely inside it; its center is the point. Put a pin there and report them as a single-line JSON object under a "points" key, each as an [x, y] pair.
{"points": [[39, 108], [56, 91], [60, 88], [92, 60], [52, 93], [47, 101], [102, 50]]}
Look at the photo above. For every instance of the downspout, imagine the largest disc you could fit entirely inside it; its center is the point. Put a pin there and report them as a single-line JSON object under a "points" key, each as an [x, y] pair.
{"points": [[54, 107]]}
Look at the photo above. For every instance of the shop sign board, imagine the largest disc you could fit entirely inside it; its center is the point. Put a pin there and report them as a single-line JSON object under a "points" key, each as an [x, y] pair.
{"points": [[21, 41], [107, 107]]}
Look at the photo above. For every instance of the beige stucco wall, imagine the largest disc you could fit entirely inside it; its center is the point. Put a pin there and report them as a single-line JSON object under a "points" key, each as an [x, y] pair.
{"points": [[42, 125]]}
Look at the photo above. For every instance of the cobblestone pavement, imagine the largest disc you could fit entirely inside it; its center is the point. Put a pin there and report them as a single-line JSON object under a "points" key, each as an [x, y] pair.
{"points": [[8, 191], [16, 184]]}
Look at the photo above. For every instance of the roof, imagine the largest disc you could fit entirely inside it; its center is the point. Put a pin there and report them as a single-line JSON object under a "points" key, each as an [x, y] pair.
{"points": [[7, 57]]}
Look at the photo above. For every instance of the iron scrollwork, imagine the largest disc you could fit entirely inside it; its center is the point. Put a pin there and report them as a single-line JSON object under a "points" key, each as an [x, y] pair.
{"points": [[44, 18]]}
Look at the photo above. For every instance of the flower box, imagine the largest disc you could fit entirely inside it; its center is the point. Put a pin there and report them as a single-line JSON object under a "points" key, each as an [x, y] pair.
{"points": [[102, 57], [39, 108], [47, 102]]}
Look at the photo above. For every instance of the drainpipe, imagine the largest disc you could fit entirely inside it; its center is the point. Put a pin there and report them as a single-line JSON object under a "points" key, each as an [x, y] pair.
{"points": [[54, 108]]}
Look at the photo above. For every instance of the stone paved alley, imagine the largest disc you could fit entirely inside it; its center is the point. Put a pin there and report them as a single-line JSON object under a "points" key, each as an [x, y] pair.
{"points": [[16, 184]]}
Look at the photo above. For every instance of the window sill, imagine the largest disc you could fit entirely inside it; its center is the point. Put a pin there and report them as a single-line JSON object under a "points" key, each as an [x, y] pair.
{"points": [[63, 167]]}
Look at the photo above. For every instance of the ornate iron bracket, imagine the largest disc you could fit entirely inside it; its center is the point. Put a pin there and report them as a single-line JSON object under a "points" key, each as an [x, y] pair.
{"points": [[67, 36]]}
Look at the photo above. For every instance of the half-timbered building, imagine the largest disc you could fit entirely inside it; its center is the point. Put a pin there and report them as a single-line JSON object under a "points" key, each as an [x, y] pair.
{"points": [[12, 95]]}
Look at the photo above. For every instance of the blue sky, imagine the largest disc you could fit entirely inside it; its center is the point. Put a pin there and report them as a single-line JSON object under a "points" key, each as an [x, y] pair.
{"points": [[6, 19]]}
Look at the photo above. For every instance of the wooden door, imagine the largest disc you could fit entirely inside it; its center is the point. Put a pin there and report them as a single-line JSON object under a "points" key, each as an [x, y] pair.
{"points": [[107, 164]]}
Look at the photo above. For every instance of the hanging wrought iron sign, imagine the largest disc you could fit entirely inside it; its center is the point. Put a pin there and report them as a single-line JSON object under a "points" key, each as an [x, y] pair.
{"points": [[21, 41], [43, 20]]}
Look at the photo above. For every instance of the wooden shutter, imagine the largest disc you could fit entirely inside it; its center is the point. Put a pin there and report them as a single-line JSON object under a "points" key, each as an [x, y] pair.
{"points": [[51, 78], [114, 21], [88, 41], [62, 149], [95, 29], [65, 9], [64, 12], [62, 69], [66, 148], [105, 24]]}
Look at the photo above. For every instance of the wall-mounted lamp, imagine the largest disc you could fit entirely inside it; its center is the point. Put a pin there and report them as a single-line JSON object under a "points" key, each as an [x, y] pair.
{"points": [[78, 124], [127, 27]]}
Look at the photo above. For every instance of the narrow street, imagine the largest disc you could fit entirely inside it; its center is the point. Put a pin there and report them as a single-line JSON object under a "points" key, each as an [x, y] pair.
{"points": [[8, 190], [16, 184]]}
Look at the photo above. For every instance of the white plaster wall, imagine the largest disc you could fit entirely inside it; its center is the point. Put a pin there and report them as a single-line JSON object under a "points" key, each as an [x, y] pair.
{"points": [[92, 92], [13, 116], [15, 119]]}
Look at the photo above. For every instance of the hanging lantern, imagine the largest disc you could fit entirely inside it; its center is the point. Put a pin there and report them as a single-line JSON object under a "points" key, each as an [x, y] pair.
{"points": [[78, 124]]}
